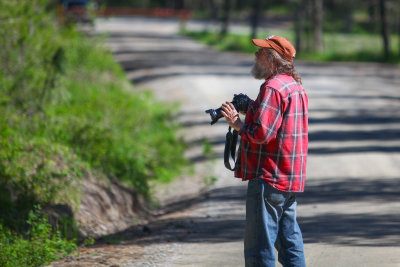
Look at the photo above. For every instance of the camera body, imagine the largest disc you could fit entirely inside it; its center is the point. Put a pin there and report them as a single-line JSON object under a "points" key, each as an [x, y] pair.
{"points": [[240, 102]]}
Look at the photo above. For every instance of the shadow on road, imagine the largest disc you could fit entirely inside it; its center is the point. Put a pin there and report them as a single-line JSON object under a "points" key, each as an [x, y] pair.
{"points": [[352, 229], [350, 225], [345, 227], [342, 227], [352, 190], [157, 58], [174, 225]]}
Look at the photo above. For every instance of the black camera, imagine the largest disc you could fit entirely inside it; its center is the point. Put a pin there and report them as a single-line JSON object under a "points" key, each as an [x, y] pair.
{"points": [[240, 102]]}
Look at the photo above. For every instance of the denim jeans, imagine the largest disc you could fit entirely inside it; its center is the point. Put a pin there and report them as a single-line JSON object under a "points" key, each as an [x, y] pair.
{"points": [[271, 223]]}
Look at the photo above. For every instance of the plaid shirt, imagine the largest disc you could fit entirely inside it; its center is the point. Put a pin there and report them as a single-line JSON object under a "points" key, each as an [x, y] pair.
{"points": [[274, 138]]}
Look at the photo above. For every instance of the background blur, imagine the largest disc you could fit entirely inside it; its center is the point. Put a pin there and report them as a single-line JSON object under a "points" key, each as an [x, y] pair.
{"points": [[320, 29]]}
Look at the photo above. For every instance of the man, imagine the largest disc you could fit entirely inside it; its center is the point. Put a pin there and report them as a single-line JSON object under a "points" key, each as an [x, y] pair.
{"points": [[272, 156]]}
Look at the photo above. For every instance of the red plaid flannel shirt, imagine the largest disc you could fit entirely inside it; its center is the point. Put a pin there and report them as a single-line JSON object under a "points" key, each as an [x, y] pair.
{"points": [[274, 138]]}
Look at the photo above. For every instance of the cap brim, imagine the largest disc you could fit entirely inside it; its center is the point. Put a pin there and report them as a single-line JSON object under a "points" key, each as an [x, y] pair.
{"points": [[261, 42]]}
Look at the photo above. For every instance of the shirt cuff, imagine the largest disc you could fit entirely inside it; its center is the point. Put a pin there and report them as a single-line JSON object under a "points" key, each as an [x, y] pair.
{"points": [[241, 130]]}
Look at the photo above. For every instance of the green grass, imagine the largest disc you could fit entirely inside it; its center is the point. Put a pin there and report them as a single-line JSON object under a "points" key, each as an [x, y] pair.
{"points": [[39, 246], [337, 46], [68, 112], [124, 134]]}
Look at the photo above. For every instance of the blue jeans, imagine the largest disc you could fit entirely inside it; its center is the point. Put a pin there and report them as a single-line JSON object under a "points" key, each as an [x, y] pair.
{"points": [[271, 222]]}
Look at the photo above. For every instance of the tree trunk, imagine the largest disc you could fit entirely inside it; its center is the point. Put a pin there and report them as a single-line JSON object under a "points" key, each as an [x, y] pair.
{"points": [[225, 18], [372, 15], [240, 4], [179, 4], [213, 10], [255, 18], [384, 29], [398, 29], [213, 15], [307, 23], [318, 15], [298, 23], [348, 18]]}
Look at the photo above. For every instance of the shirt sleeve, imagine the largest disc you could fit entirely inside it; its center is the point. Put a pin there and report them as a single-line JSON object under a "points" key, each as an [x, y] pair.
{"points": [[265, 118]]}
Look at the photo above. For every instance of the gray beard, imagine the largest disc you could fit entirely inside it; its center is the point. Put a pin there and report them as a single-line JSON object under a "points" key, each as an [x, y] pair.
{"points": [[259, 71]]}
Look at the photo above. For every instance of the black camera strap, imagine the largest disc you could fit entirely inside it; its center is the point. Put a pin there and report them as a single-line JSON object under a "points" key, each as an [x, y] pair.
{"points": [[230, 148]]}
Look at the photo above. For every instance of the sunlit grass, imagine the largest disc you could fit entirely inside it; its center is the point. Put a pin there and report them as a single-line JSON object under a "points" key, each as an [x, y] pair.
{"points": [[336, 46]]}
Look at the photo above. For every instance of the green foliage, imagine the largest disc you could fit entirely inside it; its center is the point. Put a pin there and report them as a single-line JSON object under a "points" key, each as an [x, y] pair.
{"points": [[38, 247], [68, 110], [30, 54], [126, 135], [88, 242], [232, 42], [33, 171], [207, 148], [67, 227], [38, 167], [210, 180], [337, 46], [65, 101]]}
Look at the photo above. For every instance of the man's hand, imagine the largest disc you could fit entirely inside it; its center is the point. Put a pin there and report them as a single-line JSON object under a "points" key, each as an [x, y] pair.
{"points": [[231, 116]]}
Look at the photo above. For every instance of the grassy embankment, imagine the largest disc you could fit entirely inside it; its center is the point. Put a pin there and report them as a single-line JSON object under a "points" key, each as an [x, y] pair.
{"points": [[67, 110], [359, 47]]}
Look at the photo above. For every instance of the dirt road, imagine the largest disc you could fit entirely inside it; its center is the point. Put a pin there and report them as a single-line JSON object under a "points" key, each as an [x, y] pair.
{"points": [[350, 212]]}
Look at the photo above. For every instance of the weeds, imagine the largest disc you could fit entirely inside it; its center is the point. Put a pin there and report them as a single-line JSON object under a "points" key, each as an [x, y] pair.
{"points": [[337, 46], [39, 246], [68, 110]]}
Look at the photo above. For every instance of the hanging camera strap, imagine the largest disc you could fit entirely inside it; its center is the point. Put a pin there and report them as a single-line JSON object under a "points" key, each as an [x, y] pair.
{"points": [[230, 148]]}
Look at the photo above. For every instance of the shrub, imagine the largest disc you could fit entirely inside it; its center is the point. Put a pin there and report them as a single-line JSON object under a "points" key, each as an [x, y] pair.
{"points": [[30, 54], [67, 109], [124, 133], [35, 171], [40, 246], [61, 90]]}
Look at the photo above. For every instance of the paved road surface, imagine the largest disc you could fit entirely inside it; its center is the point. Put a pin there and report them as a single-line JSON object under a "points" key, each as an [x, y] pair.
{"points": [[350, 212]]}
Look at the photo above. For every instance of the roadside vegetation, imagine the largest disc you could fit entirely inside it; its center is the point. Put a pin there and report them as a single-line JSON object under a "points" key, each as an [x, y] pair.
{"points": [[68, 111], [321, 30], [329, 30], [359, 47]]}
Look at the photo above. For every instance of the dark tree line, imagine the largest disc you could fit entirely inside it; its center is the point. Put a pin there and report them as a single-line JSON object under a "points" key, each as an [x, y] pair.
{"points": [[310, 17]]}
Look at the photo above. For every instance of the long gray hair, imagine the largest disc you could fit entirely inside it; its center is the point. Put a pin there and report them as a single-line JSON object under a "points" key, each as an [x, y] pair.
{"points": [[277, 64]]}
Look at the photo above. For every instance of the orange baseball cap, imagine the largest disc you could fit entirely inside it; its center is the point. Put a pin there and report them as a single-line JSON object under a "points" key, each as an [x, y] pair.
{"points": [[279, 44]]}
